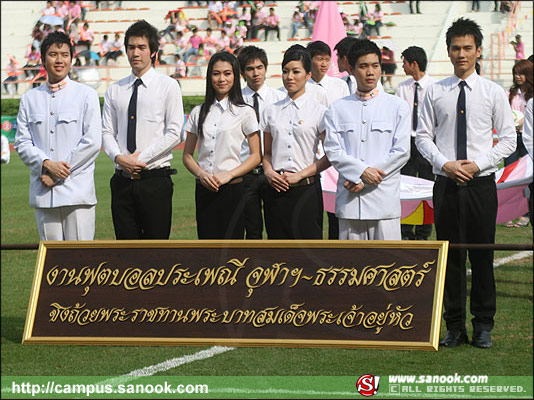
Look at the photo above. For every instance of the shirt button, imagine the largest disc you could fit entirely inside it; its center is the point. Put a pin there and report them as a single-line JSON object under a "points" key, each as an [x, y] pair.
{"points": [[51, 131], [211, 151], [363, 139], [52, 149], [51, 112], [364, 121], [365, 104], [289, 146], [53, 95]]}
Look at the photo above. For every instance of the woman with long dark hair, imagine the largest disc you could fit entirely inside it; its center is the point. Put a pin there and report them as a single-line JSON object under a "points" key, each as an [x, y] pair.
{"points": [[218, 126], [518, 96], [292, 131]]}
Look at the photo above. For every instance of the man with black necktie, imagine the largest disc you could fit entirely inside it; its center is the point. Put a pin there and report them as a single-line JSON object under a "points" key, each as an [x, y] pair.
{"points": [[455, 134], [141, 124], [253, 64], [413, 91]]}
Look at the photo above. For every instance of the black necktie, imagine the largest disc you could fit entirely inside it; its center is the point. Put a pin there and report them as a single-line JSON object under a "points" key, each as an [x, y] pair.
{"points": [[461, 125], [256, 105], [415, 103], [132, 118], [349, 84]]}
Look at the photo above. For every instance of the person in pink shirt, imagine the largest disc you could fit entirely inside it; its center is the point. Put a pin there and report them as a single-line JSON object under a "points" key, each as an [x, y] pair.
{"points": [[258, 21], [210, 42], [377, 17], [223, 42], [272, 23], [86, 36], [75, 12], [49, 10], [519, 48], [194, 41]]}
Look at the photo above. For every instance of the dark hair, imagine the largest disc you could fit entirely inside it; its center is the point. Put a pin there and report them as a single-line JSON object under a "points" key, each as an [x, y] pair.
{"points": [[144, 29], [417, 54], [249, 53], [343, 46], [522, 67], [464, 27], [361, 48], [55, 38], [235, 97], [318, 48], [298, 53], [531, 58]]}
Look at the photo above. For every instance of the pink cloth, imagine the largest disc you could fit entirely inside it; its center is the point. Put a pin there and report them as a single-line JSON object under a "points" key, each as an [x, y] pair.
{"points": [[273, 20], [195, 41], [520, 52]]}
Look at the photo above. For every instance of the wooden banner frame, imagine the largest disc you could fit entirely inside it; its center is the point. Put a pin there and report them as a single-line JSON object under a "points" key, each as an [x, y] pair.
{"points": [[411, 279]]}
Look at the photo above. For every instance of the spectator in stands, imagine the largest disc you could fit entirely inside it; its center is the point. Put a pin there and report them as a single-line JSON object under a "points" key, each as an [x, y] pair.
{"points": [[104, 48], [161, 49], [506, 6], [59, 153], [519, 48], [47, 29], [224, 41], [37, 35], [388, 66], [49, 9], [236, 40], [86, 36], [475, 5], [34, 58], [378, 17], [180, 69], [116, 48], [413, 90], [272, 23], [13, 72], [194, 42], [220, 192], [259, 20], [214, 9], [297, 21], [75, 14], [246, 18], [210, 42], [357, 29], [171, 27], [181, 43], [183, 22]]}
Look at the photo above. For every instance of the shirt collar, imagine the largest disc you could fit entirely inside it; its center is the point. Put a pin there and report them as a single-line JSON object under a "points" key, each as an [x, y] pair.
{"points": [[423, 82], [471, 81], [298, 102], [222, 105], [367, 96], [262, 92], [55, 87], [146, 77], [323, 82]]}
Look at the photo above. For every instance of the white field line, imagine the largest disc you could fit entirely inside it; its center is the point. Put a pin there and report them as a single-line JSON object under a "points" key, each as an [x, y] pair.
{"points": [[506, 260]]}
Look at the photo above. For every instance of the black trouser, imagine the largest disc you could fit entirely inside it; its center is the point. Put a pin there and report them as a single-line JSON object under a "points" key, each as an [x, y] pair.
{"points": [[333, 226], [272, 28], [418, 166], [141, 209], [467, 214], [256, 187], [296, 213], [220, 215]]}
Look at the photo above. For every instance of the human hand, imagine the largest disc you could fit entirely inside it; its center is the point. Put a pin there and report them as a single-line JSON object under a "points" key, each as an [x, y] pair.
{"points": [[373, 176], [292, 177], [47, 180], [276, 180], [130, 163], [208, 181], [222, 178], [59, 169], [353, 187], [460, 170]]}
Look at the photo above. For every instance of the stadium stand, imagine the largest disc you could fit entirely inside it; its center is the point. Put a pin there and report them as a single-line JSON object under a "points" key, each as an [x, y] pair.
{"points": [[401, 30]]}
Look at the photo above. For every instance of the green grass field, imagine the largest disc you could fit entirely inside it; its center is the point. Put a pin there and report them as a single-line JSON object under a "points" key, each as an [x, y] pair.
{"points": [[513, 333]]}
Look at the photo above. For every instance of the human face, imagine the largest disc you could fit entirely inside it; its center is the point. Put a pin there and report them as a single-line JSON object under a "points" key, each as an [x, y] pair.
{"points": [[57, 62], [463, 54], [255, 74], [222, 79], [294, 77], [320, 65], [342, 63], [367, 72], [139, 55], [407, 67], [520, 79]]}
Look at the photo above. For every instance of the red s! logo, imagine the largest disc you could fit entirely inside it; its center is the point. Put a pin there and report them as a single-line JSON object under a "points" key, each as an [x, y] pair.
{"points": [[367, 385]]}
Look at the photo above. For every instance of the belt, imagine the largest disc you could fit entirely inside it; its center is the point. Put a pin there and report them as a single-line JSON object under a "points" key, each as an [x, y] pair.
{"points": [[473, 182], [305, 181], [145, 174], [257, 171], [232, 182]]}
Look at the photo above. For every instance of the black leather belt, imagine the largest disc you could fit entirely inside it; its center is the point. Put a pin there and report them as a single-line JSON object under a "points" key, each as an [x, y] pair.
{"points": [[146, 174], [473, 182]]}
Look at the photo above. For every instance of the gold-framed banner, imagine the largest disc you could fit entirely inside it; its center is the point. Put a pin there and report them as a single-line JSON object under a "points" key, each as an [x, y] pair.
{"points": [[310, 293]]}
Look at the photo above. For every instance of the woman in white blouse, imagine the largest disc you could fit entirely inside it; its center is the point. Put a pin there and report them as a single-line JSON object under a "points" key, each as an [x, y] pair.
{"points": [[293, 128], [219, 125]]}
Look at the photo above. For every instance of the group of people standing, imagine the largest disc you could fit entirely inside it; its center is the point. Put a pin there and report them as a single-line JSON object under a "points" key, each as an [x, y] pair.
{"points": [[262, 148]]}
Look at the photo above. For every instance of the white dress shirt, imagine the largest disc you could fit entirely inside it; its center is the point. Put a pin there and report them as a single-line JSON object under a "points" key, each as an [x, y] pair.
{"points": [[406, 90], [527, 130], [225, 126], [266, 96], [296, 128], [368, 133], [160, 118], [335, 88], [318, 93], [60, 126], [487, 108]]}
